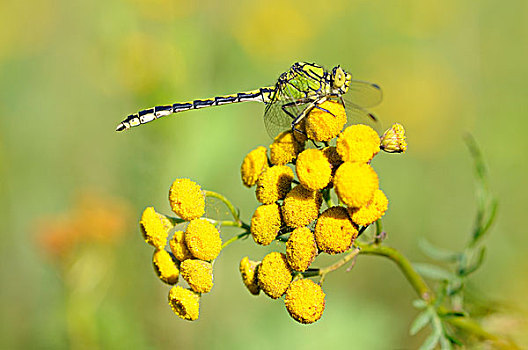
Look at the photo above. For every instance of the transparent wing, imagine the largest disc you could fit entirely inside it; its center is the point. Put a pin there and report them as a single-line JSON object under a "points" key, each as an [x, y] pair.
{"points": [[275, 120], [359, 115], [280, 113], [363, 94]]}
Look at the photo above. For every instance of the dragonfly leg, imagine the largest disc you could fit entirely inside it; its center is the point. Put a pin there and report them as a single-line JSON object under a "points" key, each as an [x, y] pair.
{"points": [[312, 104]]}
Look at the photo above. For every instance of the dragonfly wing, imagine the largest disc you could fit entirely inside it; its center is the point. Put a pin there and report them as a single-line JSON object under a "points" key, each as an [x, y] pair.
{"points": [[279, 114], [358, 115], [363, 94]]}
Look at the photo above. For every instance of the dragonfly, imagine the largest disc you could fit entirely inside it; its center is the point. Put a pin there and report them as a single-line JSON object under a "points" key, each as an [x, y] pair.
{"points": [[297, 91]]}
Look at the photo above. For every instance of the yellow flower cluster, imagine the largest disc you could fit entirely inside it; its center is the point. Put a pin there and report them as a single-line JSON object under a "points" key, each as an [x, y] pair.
{"points": [[344, 165], [190, 251]]}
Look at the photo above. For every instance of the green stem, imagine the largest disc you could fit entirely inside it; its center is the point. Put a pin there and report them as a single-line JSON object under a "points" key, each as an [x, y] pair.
{"points": [[235, 238], [417, 282]]}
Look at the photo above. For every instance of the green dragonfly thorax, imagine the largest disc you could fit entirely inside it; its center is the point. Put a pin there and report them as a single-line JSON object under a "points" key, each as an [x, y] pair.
{"points": [[309, 80]]}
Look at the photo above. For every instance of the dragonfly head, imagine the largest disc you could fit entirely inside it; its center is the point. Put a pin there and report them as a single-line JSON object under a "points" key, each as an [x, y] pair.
{"points": [[340, 79]]}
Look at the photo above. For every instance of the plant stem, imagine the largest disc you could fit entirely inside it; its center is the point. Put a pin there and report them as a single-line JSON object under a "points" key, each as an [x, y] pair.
{"points": [[235, 238], [414, 278]]}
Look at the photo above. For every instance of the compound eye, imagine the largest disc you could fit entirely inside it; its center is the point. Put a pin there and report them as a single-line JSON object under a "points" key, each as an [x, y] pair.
{"points": [[339, 77]]}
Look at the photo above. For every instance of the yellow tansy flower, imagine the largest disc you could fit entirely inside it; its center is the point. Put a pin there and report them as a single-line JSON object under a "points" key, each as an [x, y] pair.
{"points": [[165, 267], [186, 199], [355, 183], [323, 126], [313, 169], [198, 274], [358, 143], [155, 228], [334, 232], [274, 274], [185, 303], [253, 165], [274, 183], [285, 148], [266, 223], [249, 271], [178, 246], [203, 239], [370, 212], [305, 301], [393, 140], [301, 249], [301, 206]]}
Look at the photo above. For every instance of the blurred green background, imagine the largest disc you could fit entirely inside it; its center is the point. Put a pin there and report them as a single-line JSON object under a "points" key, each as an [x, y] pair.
{"points": [[71, 70]]}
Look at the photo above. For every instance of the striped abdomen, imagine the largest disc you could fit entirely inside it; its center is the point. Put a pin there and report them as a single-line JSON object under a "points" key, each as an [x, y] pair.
{"points": [[148, 115]]}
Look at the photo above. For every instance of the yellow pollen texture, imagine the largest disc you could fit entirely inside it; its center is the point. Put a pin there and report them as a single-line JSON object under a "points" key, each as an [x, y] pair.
{"points": [[203, 239], [355, 183], [185, 303], [186, 199], [301, 249], [370, 212], [323, 126], [305, 301], [285, 148], [274, 274], [274, 183], [265, 223], [358, 143], [155, 228], [313, 169], [165, 267], [253, 165], [334, 232], [301, 206], [198, 274]]}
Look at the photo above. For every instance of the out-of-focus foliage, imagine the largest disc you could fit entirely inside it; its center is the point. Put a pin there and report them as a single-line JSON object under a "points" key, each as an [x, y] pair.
{"points": [[70, 71]]}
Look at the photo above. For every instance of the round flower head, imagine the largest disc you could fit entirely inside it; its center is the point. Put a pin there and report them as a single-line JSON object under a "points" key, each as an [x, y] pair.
{"points": [[333, 158], [334, 232], [165, 267], [248, 271], [274, 183], [301, 206], [370, 212], [185, 303], [313, 169], [325, 121], [198, 274], [355, 183], [301, 249], [155, 228], [285, 148], [393, 140], [186, 199], [266, 223], [178, 246], [358, 143], [203, 239], [305, 301], [274, 275], [253, 165]]}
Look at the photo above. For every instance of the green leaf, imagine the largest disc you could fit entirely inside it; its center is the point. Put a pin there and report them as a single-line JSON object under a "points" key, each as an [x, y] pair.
{"points": [[431, 341], [473, 267], [445, 344], [436, 253], [433, 272], [454, 340], [419, 303], [420, 322]]}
